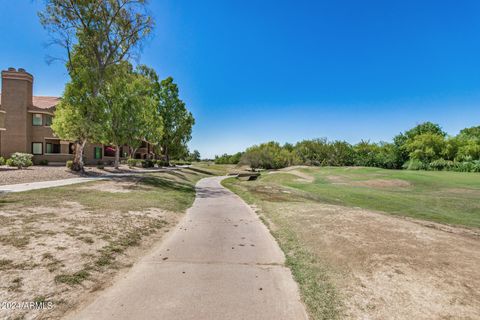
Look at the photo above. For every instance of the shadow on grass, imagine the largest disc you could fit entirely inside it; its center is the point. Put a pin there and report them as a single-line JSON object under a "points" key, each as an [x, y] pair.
{"points": [[167, 184], [4, 202], [199, 171], [177, 174]]}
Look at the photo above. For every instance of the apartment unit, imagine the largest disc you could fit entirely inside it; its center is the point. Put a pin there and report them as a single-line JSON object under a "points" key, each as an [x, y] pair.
{"points": [[25, 125]]}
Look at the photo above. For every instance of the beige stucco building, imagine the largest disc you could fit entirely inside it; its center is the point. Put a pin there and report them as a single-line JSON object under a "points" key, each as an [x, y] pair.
{"points": [[25, 125]]}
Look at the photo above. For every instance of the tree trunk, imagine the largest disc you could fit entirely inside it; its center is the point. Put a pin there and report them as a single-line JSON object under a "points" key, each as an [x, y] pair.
{"points": [[167, 157], [117, 157], [78, 157]]}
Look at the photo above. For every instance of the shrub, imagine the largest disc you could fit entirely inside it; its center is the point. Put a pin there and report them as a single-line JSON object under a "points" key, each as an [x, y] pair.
{"points": [[2, 161], [20, 160], [268, 155], [147, 163], [228, 159], [132, 162], [476, 166], [438, 165], [69, 164], [43, 162], [162, 163], [426, 147], [9, 163], [415, 164], [100, 164], [321, 152], [464, 166]]}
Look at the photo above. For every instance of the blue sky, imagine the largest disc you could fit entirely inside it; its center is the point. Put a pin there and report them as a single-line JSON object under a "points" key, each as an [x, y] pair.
{"points": [[253, 71]]}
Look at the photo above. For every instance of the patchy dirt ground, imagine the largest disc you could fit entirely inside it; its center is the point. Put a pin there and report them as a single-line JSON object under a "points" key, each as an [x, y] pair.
{"points": [[372, 183], [388, 267], [61, 256], [116, 186], [304, 177]]}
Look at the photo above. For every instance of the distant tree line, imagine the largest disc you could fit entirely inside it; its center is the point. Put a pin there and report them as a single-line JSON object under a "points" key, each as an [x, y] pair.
{"points": [[229, 158], [424, 147]]}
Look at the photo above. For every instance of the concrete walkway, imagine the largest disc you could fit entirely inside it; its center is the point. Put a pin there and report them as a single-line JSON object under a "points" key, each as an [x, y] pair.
{"points": [[219, 263], [21, 187]]}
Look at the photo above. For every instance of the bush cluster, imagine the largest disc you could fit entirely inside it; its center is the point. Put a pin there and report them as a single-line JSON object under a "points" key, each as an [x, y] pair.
{"points": [[147, 163], [424, 147], [163, 163], [132, 162], [229, 159], [20, 160]]}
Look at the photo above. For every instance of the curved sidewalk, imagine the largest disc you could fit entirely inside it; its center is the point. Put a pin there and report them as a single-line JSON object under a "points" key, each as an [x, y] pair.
{"points": [[219, 263], [21, 187]]}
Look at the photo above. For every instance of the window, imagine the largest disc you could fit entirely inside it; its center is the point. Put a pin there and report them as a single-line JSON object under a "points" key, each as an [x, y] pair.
{"points": [[97, 153], [48, 120], [37, 119], [37, 148], [109, 151], [52, 147]]}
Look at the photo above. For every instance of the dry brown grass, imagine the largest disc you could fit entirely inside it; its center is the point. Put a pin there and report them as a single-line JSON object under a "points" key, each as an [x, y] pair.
{"points": [[61, 254], [61, 244], [388, 267]]}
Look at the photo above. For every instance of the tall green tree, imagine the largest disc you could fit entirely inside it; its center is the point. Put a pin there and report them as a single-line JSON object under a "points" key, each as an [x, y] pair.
{"points": [[95, 35], [177, 121], [77, 117], [406, 138], [194, 156], [468, 142], [130, 103], [426, 147]]}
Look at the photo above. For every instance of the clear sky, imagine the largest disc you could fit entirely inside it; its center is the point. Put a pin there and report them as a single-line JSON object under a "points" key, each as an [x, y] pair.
{"points": [[253, 71]]}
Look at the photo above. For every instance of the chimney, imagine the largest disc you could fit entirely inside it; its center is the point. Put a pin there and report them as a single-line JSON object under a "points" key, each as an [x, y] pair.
{"points": [[17, 96]]}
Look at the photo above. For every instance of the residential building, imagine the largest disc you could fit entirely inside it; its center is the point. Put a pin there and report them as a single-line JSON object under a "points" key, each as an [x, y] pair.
{"points": [[25, 122]]}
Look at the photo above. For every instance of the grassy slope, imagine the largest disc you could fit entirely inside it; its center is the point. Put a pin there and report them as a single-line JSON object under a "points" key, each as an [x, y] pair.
{"points": [[445, 197], [172, 191]]}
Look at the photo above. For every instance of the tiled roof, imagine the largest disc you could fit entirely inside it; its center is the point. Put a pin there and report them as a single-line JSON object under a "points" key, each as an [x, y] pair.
{"points": [[42, 102], [45, 102]]}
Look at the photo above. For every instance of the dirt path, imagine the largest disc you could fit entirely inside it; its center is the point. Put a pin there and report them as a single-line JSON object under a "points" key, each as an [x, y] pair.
{"points": [[219, 263]]}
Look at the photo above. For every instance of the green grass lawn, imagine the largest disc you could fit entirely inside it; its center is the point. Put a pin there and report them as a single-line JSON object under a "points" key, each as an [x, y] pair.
{"points": [[444, 197], [214, 169]]}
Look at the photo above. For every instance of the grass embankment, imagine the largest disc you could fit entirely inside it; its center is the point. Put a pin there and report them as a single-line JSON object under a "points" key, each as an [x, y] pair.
{"points": [[218, 169], [57, 243], [293, 201], [444, 197]]}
